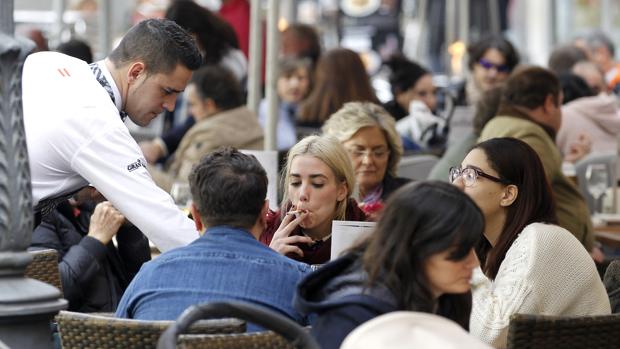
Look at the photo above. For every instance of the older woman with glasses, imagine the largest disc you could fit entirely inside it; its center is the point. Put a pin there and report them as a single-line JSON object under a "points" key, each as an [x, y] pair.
{"points": [[368, 133], [528, 263]]}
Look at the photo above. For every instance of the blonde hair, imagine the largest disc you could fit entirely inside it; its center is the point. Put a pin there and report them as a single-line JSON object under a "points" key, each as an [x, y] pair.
{"points": [[329, 150], [354, 116]]}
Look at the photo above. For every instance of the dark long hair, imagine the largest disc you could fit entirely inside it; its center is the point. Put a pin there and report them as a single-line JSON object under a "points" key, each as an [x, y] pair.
{"points": [[340, 77], [215, 36], [518, 163], [422, 219]]}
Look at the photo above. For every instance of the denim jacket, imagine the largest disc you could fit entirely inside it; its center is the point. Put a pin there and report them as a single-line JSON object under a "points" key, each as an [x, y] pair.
{"points": [[226, 263]]}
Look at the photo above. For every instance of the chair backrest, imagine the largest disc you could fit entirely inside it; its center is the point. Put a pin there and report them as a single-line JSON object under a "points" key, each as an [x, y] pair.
{"points": [[540, 331], [608, 159], [611, 279], [80, 330], [263, 340], [264, 317], [416, 167], [44, 267]]}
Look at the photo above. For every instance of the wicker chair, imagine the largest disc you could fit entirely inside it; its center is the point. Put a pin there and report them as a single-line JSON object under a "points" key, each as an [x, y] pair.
{"points": [[84, 331], [284, 333], [256, 340], [44, 267], [540, 331]]}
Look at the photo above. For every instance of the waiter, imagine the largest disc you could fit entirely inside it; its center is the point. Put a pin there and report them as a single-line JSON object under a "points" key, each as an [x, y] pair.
{"points": [[73, 119]]}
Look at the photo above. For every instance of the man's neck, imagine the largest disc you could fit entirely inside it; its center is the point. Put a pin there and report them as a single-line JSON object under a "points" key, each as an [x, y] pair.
{"points": [[118, 79]]}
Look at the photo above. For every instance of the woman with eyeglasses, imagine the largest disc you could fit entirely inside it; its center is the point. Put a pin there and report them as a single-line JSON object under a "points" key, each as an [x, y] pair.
{"points": [[419, 258], [368, 134], [529, 264], [318, 182]]}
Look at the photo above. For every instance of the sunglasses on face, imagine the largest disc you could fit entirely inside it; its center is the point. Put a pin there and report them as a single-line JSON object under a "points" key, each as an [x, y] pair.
{"points": [[501, 68], [470, 175]]}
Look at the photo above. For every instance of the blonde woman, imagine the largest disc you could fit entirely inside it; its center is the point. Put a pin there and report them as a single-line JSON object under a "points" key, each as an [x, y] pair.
{"points": [[368, 133], [318, 182]]}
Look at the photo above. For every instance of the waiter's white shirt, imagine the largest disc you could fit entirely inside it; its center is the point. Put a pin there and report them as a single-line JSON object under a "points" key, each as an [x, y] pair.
{"points": [[75, 136]]}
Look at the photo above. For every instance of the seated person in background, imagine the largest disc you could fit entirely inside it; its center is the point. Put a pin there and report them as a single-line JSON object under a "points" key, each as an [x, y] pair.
{"points": [[226, 262], [592, 75], [367, 132], [590, 123], [418, 258], [529, 265], [491, 61], [318, 181], [530, 111], [409, 82], [293, 86], [414, 103], [93, 271], [340, 77], [222, 119]]}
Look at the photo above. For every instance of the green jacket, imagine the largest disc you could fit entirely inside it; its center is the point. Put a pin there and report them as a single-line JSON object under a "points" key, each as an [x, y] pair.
{"points": [[571, 208]]}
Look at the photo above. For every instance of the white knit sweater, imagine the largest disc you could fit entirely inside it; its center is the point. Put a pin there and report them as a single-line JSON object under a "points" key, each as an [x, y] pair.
{"points": [[546, 271]]}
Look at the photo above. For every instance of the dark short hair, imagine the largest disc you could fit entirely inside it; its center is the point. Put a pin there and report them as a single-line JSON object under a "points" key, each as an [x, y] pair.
{"points": [[228, 188], [419, 220], [213, 33], [404, 74], [564, 57], [574, 87], [77, 48], [529, 87], [515, 161], [220, 85], [161, 44], [498, 42]]}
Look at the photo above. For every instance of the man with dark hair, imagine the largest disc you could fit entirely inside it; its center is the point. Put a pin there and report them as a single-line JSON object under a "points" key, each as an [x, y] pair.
{"points": [[530, 111], [227, 262], [73, 118]]}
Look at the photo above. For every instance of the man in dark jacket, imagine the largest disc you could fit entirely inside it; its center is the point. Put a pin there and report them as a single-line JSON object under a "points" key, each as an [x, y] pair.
{"points": [[93, 271]]}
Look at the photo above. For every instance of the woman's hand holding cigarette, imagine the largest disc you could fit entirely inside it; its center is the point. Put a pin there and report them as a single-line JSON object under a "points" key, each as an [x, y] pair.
{"points": [[282, 241]]}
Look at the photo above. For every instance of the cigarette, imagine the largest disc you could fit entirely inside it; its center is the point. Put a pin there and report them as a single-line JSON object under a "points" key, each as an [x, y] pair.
{"points": [[296, 213]]}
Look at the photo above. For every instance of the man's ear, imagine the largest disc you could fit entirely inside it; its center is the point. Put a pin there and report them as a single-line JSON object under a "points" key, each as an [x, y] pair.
{"points": [[550, 103], [197, 219], [135, 69], [509, 196], [262, 217]]}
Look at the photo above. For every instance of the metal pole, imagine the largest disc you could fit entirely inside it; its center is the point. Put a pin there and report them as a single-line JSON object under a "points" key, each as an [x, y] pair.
{"points": [[494, 16], [7, 25], [256, 53], [449, 34], [59, 9], [272, 74], [26, 305], [464, 21], [104, 27], [423, 24]]}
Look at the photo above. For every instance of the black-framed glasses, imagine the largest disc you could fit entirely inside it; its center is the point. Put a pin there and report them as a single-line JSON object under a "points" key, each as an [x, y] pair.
{"points": [[469, 175], [501, 68]]}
